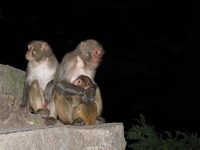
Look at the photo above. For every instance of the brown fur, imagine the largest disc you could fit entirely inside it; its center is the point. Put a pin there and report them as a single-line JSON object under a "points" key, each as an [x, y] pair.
{"points": [[41, 68], [71, 107], [84, 60]]}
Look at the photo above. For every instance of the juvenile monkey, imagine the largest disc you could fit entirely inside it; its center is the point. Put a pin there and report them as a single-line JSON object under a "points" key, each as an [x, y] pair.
{"points": [[84, 60], [41, 68], [82, 113]]}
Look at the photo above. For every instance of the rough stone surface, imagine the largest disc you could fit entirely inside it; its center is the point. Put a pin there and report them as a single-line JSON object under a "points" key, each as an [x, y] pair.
{"points": [[12, 82], [24, 130], [11, 91], [93, 137]]}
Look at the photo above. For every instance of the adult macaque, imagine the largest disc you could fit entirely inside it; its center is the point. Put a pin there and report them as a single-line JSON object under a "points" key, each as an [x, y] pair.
{"points": [[84, 60], [42, 65], [72, 110]]}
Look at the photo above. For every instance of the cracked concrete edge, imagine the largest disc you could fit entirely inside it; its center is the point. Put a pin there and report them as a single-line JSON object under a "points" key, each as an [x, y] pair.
{"points": [[109, 136], [24, 129]]}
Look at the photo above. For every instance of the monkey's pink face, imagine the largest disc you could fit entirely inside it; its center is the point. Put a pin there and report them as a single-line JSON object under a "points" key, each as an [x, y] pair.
{"points": [[96, 56], [80, 82], [77, 82]]}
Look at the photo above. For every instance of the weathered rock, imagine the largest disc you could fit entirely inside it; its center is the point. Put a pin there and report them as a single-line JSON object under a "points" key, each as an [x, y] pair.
{"points": [[12, 117], [11, 93], [12, 82]]}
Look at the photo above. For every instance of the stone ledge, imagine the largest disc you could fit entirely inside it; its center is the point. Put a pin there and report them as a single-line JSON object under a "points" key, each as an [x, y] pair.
{"points": [[109, 136]]}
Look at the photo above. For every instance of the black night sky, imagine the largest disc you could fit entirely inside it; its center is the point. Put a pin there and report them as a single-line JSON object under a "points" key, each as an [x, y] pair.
{"points": [[148, 68]]}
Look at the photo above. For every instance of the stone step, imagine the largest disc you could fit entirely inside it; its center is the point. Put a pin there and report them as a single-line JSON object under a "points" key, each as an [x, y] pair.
{"points": [[108, 136]]}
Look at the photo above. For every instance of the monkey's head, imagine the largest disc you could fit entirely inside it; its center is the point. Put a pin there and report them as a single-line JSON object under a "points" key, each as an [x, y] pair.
{"points": [[83, 81], [38, 50], [91, 51]]}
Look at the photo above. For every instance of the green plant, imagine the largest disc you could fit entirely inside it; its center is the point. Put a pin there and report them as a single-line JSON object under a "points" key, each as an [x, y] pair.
{"points": [[144, 137]]}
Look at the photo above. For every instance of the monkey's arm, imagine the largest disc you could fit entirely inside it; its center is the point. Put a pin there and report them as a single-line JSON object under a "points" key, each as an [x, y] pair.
{"points": [[49, 91], [69, 89]]}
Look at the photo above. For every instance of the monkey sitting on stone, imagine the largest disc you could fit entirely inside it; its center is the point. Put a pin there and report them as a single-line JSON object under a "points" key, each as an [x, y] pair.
{"points": [[83, 60], [42, 65], [81, 113]]}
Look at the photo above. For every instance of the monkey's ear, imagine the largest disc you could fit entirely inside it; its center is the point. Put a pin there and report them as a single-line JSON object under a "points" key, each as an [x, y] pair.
{"points": [[44, 46]]}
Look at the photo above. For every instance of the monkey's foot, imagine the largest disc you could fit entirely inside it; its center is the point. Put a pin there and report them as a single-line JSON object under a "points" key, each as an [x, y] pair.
{"points": [[50, 121], [78, 122], [100, 120], [44, 113]]}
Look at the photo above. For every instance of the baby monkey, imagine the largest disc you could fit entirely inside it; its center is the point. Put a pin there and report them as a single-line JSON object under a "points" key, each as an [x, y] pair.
{"points": [[82, 113]]}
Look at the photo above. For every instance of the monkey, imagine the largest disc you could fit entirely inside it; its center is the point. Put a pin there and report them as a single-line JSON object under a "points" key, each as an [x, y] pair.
{"points": [[83, 60], [81, 113], [86, 112], [41, 67]]}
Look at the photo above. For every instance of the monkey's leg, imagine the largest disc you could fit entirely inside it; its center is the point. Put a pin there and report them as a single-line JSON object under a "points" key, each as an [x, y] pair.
{"points": [[98, 101], [99, 104], [92, 113], [59, 106], [64, 109], [85, 114], [79, 115], [49, 91], [52, 118], [100, 120], [25, 100], [37, 100]]}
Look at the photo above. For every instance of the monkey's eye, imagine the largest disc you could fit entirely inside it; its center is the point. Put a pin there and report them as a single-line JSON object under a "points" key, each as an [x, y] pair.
{"points": [[79, 82], [34, 51], [87, 55]]}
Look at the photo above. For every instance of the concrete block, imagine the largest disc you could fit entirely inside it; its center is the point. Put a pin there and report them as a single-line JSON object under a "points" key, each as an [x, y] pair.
{"points": [[109, 136]]}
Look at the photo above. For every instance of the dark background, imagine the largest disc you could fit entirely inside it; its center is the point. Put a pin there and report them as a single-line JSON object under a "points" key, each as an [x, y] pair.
{"points": [[149, 67]]}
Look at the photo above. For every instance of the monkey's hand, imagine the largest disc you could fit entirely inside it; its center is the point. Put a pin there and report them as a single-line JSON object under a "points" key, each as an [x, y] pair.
{"points": [[89, 94]]}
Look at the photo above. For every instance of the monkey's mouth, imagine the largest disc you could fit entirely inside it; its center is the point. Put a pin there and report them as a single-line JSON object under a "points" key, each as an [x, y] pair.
{"points": [[30, 58], [94, 62]]}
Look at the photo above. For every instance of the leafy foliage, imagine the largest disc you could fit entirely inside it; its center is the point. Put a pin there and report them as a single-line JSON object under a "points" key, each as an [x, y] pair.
{"points": [[144, 137]]}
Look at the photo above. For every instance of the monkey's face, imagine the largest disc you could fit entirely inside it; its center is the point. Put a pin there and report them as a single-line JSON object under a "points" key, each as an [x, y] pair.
{"points": [[96, 56], [78, 82], [83, 81], [37, 50], [91, 52]]}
